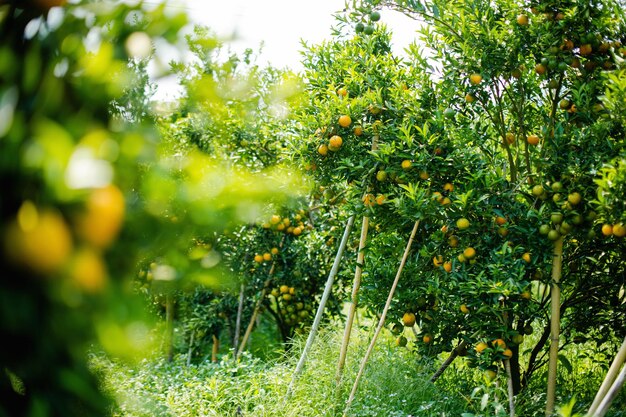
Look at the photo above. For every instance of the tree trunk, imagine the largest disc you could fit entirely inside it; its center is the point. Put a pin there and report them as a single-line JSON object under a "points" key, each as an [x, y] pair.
{"points": [[383, 316], [515, 370], [216, 348], [509, 384], [555, 324], [321, 306]]}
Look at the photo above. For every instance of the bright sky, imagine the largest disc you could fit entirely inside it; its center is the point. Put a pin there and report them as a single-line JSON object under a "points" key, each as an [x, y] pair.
{"points": [[279, 25]]}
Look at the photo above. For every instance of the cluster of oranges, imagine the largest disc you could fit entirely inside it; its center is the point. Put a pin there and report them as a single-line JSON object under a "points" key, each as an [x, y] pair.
{"points": [[266, 256], [291, 308], [42, 240], [294, 225]]}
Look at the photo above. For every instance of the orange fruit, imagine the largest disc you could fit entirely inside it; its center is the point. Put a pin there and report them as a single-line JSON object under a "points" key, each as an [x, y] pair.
{"points": [[510, 138], [607, 229], [446, 201], [292, 291], [38, 239], [427, 338], [438, 260], [447, 266], [297, 231], [503, 231], [274, 251], [258, 258], [287, 297], [448, 187], [424, 175], [619, 230], [532, 140], [462, 223], [369, 200], [469, 98], [500, 221], [267, 256], [323, 149], [344, 120], [453, 241], [401, 341], [522, 20], [406, 164], [102, 219], [335, 143], [540, 69], [275, 219], [508, 353], [380, 199], [284, 289], [481, 346], [88, 270], [490, 374], [408, 319], [358, 130], [469, 253], [499, 343], [526, 257], [585, 49], [464, 309], [574, 198], [475, 78], [342, 92]]}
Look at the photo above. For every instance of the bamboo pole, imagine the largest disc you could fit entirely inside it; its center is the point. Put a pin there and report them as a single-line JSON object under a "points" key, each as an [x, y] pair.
{"points": [[383, 316], [255, 313], [321, 306], [169, 325], [620, 359], [509, 383], [611, 394], [356, 285], [238, 319], [555, 324], [190, 350], [448, 361]]}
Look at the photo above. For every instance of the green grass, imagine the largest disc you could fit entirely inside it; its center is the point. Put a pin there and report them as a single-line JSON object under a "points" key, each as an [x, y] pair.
{"points": [[395, 383]]}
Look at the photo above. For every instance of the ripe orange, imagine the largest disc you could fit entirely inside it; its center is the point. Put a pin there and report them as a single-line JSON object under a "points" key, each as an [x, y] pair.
{"points": [[292, 291], [508, 353], [380, 199], [287, 297], [469, 98], [510, 138], [462, 223], [540, 69], [526, 257], [342, 92], [464, 309], [322, 149], [444, 228], [619, 230], [453, 241], [427, 338], [447, 266], [408, 319], [438, 260], [406, 164], [284, 289], [490, 374], [503, 231], [267, 256], [446, 201], [424, 175], [481, 346], [607, 229], [39, 240], [448, 187], [469, 253], [274, 251], [499, 343], [500, 221], [381, 175], [533, 140], [358, 130], [369, 200], [275, 219], [345, 120], [102, 220], [297, 231], [258, 258], [335, 143], [522, 20], [88, 271], [475, 78]]}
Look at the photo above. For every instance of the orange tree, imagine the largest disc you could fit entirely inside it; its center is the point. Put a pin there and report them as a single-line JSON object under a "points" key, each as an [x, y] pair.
{"points": [[521, 85]]}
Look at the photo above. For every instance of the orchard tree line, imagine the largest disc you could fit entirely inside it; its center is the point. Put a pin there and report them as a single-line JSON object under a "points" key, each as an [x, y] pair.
{"points": [[496, 143]]}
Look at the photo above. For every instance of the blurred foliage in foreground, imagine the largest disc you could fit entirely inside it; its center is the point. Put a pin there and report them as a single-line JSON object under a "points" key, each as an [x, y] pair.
{"points": [[89, 191]]}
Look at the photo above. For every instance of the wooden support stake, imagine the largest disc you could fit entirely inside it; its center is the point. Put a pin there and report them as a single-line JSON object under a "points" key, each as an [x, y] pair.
{"points": [[509, 380], [322, 305], [448, 362], [611, 394], [383, 316], [555, 324], [238, 319], [620, 359]]}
